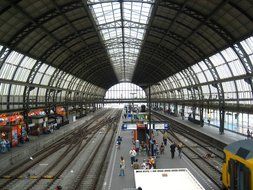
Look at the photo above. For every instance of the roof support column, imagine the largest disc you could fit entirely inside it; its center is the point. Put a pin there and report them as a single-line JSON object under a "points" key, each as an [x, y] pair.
{"points": [[244, 58], [28, 89], [182, 111], [12, 78], [218, 85], [222, 119], [194, 112], [58, 83], [176, 109], [5, 52], [49, 99], [201, 116]]}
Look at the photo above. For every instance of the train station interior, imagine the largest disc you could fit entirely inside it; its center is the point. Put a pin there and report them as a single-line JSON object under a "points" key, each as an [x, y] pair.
{"points": [[126, 94]]}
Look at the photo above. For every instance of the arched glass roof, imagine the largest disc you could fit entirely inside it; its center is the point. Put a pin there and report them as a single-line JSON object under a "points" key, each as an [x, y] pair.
{"points": [[230, 68], [122, 25], [74, 51], [19, 89]]}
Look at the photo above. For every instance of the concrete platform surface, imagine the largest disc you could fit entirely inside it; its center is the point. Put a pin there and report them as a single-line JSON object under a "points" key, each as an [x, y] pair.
{"points": [[115, 182], [228, 137]]}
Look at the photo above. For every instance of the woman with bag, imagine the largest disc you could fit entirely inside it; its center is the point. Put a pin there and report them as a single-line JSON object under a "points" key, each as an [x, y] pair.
{"points": [[122, 166]]}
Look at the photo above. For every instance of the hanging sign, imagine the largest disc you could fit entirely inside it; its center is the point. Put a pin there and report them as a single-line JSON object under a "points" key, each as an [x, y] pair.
{"points": [[161, 126]]}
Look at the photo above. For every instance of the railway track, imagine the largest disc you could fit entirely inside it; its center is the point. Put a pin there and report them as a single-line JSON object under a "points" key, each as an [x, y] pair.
{"points": [[90, 172], [203, 154], [195, 154], [63, 153]]}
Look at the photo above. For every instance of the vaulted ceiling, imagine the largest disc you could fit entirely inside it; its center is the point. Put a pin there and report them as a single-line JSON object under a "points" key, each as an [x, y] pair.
{"points": [[104, 42]]}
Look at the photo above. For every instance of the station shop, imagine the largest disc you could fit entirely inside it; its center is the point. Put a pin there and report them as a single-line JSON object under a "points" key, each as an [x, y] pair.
{"points": [[40, 122], [15, 129]]}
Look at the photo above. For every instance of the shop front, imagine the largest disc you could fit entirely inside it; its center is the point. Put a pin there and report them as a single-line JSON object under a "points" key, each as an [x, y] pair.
{"points": [[38, 122], [13, 129]]}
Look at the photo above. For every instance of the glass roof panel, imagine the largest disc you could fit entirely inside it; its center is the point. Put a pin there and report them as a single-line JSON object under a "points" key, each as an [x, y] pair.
{"points": [[229, 54], [122, 25], [248, 45]]}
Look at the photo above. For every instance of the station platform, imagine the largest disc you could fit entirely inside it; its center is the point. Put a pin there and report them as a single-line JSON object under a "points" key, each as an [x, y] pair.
{"points": [[228, 137], [22, 152], [113, 181]]}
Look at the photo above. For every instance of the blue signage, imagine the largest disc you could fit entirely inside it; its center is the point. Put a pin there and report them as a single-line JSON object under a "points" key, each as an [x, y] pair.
{"points": [[129, 126], [160, 126]]}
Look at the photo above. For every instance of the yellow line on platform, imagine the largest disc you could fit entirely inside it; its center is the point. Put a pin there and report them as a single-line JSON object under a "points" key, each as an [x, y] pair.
{"points": [[48, 177], [6, 177], [22, 177]]}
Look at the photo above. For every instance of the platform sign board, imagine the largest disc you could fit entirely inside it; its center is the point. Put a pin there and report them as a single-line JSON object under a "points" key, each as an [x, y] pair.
{"points": [[129, 126], [176, 178], [161, 126], [157, 125]]}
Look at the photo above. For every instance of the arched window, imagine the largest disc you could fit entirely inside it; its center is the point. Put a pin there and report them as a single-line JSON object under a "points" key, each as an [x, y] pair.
{"points": [[125, 91]]}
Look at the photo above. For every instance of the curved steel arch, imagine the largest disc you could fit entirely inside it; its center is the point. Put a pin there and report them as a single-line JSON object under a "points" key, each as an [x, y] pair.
{"points": [[168, 65], [203, 20], [50, 14]]}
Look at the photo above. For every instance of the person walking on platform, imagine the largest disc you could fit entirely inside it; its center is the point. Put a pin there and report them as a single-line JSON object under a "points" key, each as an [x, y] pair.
{"points": [[156, 149], [162, 148], [152, 142], [248, 134], [122, 166], [151, 162], [179, 148], [172, 149], [137, 146], [144, 164], [165, 137], [147, 149], [136, 165], [118, 143], [132, 154]]}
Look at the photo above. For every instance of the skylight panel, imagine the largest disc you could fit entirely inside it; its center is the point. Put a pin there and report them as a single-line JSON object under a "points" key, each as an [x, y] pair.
{"points": [[122, 31]]}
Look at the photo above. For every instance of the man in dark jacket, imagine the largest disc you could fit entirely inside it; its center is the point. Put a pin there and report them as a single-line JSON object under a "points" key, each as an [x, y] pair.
{"points": [[172, 149]]}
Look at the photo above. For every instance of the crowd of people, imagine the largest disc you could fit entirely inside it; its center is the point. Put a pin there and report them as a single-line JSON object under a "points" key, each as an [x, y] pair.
{"points": [[151, 150], [5, 145]]}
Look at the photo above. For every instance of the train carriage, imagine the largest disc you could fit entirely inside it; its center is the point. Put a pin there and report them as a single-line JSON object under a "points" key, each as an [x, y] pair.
{"points": [[238, 166]]}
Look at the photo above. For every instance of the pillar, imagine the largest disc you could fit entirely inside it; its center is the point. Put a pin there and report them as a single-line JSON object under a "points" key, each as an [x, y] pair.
{"points": [[222, 120], [176, 109], [201, 112]]}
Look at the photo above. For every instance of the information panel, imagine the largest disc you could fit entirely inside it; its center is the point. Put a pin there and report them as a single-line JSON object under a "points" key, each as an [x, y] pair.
{"points": [[129, 126], [162, 126]]}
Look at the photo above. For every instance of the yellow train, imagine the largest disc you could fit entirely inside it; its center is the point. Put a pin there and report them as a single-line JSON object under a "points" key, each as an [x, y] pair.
{"points": [[237, 169]]}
